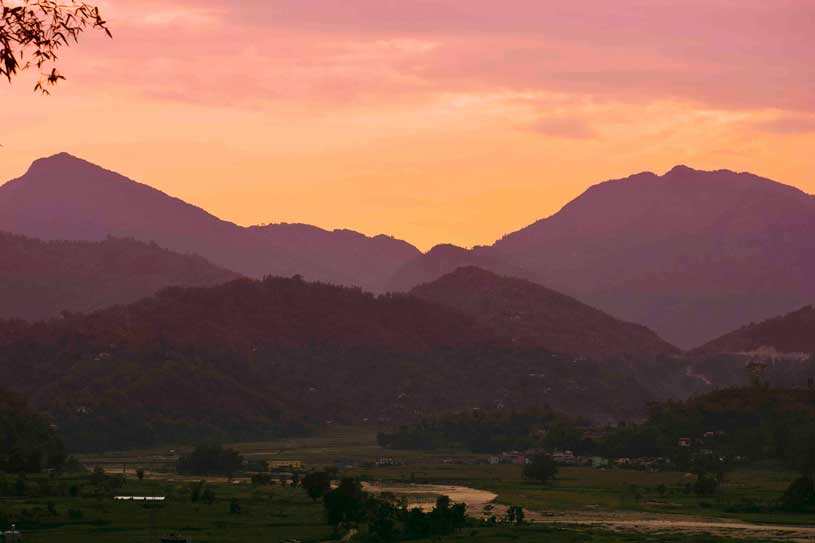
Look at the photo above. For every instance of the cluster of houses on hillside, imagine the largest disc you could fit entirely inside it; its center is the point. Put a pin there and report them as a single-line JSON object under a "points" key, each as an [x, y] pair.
{"points": [[563, 458], [699, 446], [696, 446]]}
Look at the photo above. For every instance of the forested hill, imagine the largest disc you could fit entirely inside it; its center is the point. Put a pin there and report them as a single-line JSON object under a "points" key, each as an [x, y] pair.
{"points": [[534, 316], [40, 279], [246, 315], [791, 333], [250, 359]]}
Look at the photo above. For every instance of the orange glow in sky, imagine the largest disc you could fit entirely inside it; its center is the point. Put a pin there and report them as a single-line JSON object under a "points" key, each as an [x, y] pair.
{"points": [[433, 121]]}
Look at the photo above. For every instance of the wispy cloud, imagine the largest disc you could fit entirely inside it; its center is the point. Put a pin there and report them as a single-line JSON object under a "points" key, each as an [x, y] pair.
{"points": [[786, 124], [753, 56], [563, 127]]}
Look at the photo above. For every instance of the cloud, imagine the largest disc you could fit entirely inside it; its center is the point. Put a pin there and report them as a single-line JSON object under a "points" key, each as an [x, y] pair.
{"points": [[563, 127], [715, 53], [786, 124]]}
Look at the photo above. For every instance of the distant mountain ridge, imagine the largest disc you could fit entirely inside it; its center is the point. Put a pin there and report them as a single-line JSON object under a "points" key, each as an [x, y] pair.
{"points": [[40, 279], [63, 197], [690, 254], [787, 334], [532, 316]]}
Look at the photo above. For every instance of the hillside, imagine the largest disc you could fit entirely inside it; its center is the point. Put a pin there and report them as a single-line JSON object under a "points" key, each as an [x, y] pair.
{"points": [[534, 316], [39, 280], [691, 254], [443, 259], [250, 359], [63, 197], [791, 333]]}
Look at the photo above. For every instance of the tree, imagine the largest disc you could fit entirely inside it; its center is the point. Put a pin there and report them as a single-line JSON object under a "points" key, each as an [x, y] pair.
{"points": [[346, 503], [800, 495], [210, 460], [384, 522], [234, 507], [515, 515], [32, 32], [317, 484], [29, 442], [542, 469]]}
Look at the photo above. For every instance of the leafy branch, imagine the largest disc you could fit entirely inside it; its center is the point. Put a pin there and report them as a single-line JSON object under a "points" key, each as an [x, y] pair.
{"points": [[32, 32]]}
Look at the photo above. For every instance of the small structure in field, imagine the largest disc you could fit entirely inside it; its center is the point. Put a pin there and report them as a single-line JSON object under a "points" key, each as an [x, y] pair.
{"points": [[175, 538], [12, 535], [285, 464]]}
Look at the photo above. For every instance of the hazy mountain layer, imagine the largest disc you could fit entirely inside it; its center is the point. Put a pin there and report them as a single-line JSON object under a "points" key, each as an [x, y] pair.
{"points": [[63, 197]]}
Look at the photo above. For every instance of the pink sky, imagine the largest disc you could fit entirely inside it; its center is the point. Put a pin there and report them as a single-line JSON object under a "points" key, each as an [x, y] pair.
{"points": [[434, 121]]}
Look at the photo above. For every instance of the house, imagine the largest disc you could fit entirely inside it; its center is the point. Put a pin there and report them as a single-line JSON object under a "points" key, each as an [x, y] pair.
{"points": [[343, 463], [599, 462], [513, 457], [564, 457], [685, 442], [386, 461], [593, 434], [494, 460], [285, 464]]}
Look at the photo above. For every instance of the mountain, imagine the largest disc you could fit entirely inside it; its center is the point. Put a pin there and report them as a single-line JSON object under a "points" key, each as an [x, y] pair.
{"points": [[63, 197], [39, 279], [441, 260], [250, 359], [791, 333], [691, 254], [537, 317]]}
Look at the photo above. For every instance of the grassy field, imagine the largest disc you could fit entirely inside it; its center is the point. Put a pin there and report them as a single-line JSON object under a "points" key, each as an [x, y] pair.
{"points": [[277, 513], [268, 514], [745, 492]]}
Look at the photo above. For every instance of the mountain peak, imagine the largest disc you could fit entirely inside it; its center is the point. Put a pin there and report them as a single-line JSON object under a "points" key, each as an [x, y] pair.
{"points": [[65, 197], [446, 249], [59, 162], [681, 169], [533, 316]]}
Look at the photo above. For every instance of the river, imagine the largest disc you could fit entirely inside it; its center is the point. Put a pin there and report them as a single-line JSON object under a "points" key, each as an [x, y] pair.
{"points": [[424, 495]]}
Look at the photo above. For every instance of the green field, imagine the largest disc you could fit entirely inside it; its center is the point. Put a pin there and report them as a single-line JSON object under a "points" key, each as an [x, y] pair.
{"points": [[277, 513], [269, 514]]}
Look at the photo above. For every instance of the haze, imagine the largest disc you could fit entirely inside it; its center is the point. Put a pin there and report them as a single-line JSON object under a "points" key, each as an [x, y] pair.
{"points": [[441, 121]]}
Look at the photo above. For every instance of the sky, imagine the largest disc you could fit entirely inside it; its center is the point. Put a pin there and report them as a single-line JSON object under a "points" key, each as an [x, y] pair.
{"points": [[430, 120]]}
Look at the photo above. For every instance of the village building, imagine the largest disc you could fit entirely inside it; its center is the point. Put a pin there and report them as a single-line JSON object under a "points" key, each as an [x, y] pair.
{"points": [[285, 464], [564, 457], [599, 462]]}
